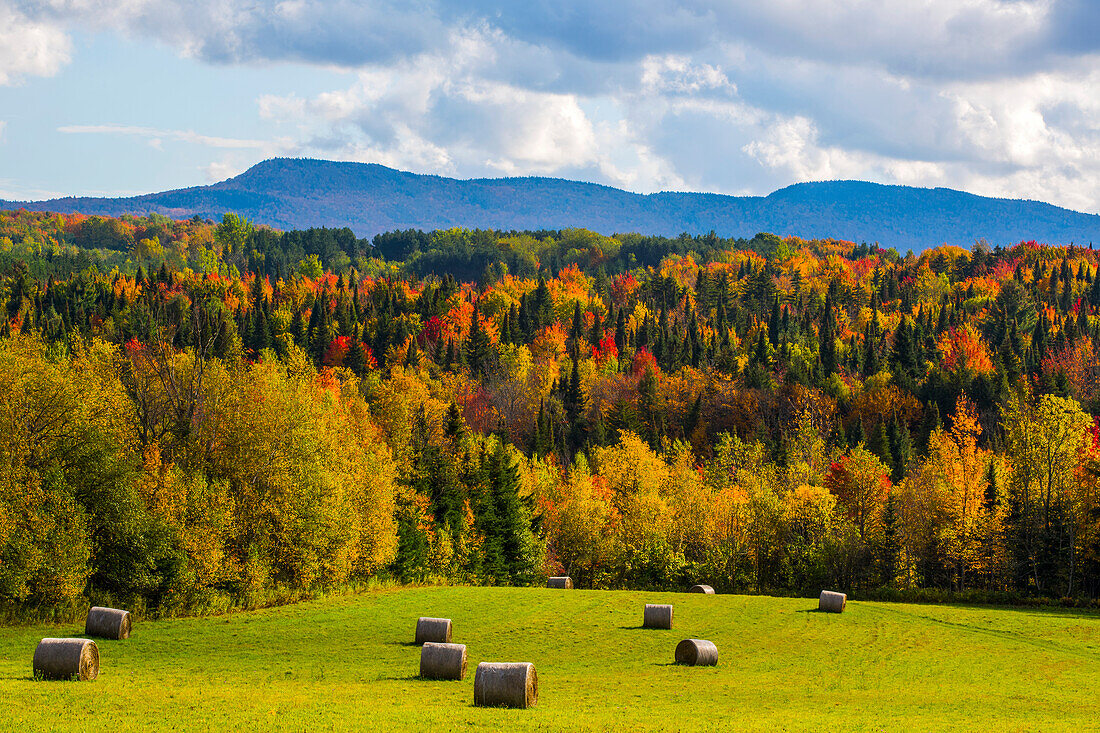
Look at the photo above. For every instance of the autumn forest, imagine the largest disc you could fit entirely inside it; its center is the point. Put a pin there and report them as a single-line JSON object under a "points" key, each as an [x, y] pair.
{"points": [[198, 415]]}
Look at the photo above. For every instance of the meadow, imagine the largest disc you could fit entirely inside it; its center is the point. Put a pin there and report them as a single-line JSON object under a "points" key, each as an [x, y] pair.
{"points": [[348, 662]]}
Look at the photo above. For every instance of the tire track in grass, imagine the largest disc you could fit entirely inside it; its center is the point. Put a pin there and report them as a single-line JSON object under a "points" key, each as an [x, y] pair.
{"points": [[1044, 644]]}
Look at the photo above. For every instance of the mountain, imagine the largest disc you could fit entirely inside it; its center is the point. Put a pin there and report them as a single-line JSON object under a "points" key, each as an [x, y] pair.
{"points": [[298, 193]]}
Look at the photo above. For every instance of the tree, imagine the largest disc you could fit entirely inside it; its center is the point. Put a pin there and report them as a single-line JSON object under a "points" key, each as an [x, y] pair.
{"points": [[1044, 438], [860, 483], [477, 345]]}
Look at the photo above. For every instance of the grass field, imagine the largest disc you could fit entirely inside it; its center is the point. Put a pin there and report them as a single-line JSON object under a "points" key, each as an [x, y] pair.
{"points": [[347, 662]]}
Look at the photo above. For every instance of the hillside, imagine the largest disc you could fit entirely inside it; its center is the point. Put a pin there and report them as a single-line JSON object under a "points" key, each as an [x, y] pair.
{"points": [[313, 666], [369, 198]]}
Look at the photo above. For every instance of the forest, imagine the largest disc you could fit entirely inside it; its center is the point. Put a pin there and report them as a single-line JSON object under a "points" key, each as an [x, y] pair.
{"points": [[197, 415]]}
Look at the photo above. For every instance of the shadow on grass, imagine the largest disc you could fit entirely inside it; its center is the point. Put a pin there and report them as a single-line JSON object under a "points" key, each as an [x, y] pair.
{"points": [[402, 643], [642, 628], [404, 678], [809, 610]]}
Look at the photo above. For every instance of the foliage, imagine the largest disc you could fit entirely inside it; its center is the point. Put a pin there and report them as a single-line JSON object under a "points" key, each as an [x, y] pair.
{"points": [[213, 412]]}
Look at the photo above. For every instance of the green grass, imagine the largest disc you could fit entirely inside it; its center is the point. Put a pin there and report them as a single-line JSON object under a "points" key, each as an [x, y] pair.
{"points": [[347, 662]]}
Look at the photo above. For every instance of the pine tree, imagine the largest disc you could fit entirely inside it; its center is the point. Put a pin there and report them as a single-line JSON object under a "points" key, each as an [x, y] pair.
{"points": [[828, 340], [930, 423], [870, 350], [649, 410], [573, 402], [449, 360], [596, 335], [576, 331], [773, 323], [477, 345], [456, 426], [890, 545], [856, 433], [901, 447], [513, 525], [879, 444], [620, 329], [543, 306]]}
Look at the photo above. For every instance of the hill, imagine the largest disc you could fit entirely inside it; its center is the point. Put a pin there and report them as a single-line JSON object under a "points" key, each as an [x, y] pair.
{"points": [[369, 198], [347, 662]]}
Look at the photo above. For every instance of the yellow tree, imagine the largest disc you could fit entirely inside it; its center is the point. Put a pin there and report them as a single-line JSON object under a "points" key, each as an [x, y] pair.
{"points": [[958, 470], [860, 482], [1044, 441]]}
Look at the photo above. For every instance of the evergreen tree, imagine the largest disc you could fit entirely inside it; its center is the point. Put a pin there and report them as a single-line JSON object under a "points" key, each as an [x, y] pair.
{"points": [[455, 428], [856, 434], [890, 545], [620, 330], [542, 305], [576, 331], [573, 402], [512, 520], [870, 350], [901, 448], [773, 323], [828, 340], [477, 345], [356, 358], [649, 411], [879, 444]]}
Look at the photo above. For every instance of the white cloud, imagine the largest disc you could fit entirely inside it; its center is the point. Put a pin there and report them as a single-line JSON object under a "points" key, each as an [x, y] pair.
{"points": [[28, 47], [220, 170], [461, 121], [677, 74]]}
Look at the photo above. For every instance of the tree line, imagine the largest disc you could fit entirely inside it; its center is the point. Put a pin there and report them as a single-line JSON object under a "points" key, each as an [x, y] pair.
{"points": [[769, 415]]}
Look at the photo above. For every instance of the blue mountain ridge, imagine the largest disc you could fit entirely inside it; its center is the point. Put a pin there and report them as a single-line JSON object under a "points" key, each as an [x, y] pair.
{"points": [[296, 193]]}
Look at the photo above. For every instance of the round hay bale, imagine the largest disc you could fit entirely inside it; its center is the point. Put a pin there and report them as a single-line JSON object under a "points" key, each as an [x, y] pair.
{"points": [[109, 623], [657, 616], [506, 684], [442, 661], [560, 581], [697, 653], [66, 659], [702, 589], [433, 629], [832, 602]]}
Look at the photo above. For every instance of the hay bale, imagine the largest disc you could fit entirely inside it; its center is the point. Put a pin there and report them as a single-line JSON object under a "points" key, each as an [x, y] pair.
{"points": [[560, 581], [697, 653], [702, 589], [657, 616], [832, 602], [109, 623], [506, 684], [66, 659], [442, 661], [433, 629]]}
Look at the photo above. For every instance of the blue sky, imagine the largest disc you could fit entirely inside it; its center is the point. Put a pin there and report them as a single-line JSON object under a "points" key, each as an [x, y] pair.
{"points": [[998, 97]]}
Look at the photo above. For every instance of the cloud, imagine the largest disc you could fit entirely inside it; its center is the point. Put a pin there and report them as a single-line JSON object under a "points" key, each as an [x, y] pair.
{"points": [[29, 48], [465, 122], [737, 96], [339, 32]]}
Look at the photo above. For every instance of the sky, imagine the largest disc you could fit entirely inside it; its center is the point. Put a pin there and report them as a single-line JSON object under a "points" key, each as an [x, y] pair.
{"points": [[996, 97]]}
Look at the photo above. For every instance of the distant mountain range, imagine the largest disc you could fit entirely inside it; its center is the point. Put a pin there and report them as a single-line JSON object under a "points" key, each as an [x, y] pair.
{"points": [[299, 193]]}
